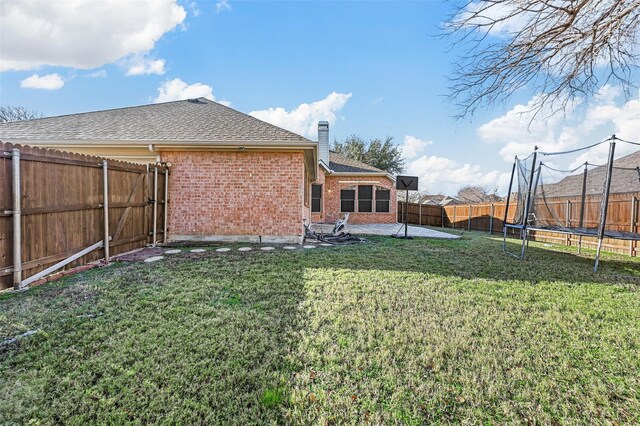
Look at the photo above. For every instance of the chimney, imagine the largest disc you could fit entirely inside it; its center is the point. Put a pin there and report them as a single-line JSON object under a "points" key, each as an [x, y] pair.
{"points": [[323, 142]]}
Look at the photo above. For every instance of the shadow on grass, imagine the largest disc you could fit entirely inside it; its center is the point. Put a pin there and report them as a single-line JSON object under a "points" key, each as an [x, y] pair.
{"points": [[186, 341], [234, 338]]}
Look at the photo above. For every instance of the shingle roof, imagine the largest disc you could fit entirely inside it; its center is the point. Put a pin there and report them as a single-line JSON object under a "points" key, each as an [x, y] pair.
{"points": [[341, 164], [623, 179], [190, 120]]}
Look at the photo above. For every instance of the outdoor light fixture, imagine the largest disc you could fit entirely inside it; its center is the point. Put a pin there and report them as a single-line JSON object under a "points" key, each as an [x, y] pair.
{"points": [[164, 163], [241, 148]]}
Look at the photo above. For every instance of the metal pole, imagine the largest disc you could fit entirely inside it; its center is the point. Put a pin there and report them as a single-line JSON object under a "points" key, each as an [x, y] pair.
{"points": [[506, 209], [165, 239], [17, 226], [105, 206], [567, 222], [582, 204], [605, 201], [469, 220], [535, 190], [155, 205], [528, 202], [406, 214], [633, 223]]}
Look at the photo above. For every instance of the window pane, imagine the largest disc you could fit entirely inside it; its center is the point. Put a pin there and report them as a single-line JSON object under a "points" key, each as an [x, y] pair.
{"points": [[383, 194], [364, 206], [316, 198], [348, 194], [365, 192], [316, 191], [347, 206], [382, 206], [347, 200]]}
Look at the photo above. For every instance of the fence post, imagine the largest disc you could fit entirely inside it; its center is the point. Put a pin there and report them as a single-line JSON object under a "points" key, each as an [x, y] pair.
{"points": [[105, 206], [454, 217], [469, 221], [420, 214], [568, 223], [442, 216], [165, 239], [155, 205], [17, 225], [491, 219], [633, 223]]}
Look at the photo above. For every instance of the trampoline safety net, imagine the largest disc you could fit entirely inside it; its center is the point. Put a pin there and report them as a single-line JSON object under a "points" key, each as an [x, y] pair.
{"points": [[579, 201]]}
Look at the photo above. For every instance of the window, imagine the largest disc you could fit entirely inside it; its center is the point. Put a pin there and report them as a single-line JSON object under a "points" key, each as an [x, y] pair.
{"points": [[348, 200], [383, 197], [316, 198], [365, 198]]}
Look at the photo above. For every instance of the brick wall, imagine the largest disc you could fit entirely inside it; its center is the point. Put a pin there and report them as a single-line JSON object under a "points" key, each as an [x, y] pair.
{"points": [[235, 193], [331, 199]]}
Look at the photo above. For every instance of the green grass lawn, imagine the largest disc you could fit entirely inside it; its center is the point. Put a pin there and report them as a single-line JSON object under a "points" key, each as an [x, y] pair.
{"points": [[393, 332]]}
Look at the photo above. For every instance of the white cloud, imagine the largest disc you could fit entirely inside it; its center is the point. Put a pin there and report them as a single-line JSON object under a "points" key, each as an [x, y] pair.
{"points": [[141, 65], [46, 82], [176, 89], [98, 74], [81, 33], [222, 5], [444, 175], [195, 11], [519, 132], [304, 118], [413, 147]]}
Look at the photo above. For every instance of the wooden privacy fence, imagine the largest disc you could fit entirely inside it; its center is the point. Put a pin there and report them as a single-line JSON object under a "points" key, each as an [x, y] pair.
{"points": [[623, 215], [58, 208]]}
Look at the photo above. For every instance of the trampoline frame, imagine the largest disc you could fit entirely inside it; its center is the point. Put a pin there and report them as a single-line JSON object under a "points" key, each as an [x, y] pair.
{"points": [[525, 227]]}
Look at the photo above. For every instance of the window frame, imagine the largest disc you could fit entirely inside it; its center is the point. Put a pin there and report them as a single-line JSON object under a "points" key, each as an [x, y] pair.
{"points": [[353, 200], [365, 200], [320, 198], [388, 199]]}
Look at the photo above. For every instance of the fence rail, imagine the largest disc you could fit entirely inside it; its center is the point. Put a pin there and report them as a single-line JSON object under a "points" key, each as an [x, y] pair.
{"points": [[623, 215], [54, 208]]}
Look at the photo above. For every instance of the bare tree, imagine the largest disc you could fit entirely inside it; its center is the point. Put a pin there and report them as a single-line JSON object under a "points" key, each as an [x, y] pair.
{"points": [[17, 113], [563, 49], [476, 194]]}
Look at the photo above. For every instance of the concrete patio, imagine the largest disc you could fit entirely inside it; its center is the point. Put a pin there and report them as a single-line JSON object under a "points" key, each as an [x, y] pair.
{"points": [[384, 229]]}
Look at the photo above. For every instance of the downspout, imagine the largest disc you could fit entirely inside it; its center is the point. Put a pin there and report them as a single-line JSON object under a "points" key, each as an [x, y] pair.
{"points": [[152, 149]]}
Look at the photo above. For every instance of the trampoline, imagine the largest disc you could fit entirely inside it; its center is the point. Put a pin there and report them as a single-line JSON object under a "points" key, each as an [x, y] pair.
{"points": [[574, 201]]}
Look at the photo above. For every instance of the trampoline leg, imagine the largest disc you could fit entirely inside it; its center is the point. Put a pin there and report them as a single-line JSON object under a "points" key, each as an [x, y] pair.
{"points": [[579, 244], [595, 267], [525, 242]]}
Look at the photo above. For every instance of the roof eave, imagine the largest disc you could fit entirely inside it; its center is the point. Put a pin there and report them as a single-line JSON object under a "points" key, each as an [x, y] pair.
{"points": [[163, 143], [360, 174]]}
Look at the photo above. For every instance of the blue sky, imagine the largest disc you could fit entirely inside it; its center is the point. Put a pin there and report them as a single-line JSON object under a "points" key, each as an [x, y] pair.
{"points": [[375, 69]]}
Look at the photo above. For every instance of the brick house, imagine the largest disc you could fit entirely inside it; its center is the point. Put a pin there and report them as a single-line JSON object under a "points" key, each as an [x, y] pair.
{"points": [[232, 176], [346, 185]]}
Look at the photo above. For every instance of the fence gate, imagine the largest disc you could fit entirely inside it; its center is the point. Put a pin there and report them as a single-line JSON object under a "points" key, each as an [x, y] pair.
{"points": [[57, 210]]}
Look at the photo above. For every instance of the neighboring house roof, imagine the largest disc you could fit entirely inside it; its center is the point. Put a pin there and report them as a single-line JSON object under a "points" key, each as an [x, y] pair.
{"points": [[626, 180], [193, 120], [341, 164], [437, 200]]}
